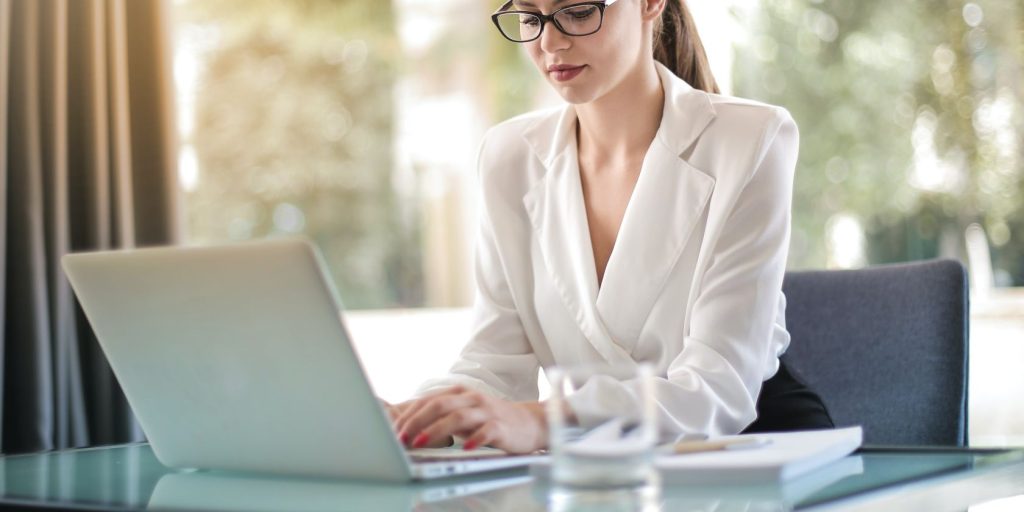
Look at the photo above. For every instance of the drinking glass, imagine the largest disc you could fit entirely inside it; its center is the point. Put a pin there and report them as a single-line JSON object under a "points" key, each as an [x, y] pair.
{"points": [[602, 423]]}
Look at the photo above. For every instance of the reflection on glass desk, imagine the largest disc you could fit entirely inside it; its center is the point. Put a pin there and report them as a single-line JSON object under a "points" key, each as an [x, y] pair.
{"points": [[129, 477]]}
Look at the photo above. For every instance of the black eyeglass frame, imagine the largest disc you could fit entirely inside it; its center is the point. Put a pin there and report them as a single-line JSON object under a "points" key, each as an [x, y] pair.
{"points": [[545, 18]]}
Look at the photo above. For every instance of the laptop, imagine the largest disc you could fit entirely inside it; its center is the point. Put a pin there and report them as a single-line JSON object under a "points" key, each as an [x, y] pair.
{"points": [[237, 358]]}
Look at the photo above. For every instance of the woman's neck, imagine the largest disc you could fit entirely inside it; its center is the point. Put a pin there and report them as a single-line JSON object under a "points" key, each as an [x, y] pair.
{"points": [[619, 127]]}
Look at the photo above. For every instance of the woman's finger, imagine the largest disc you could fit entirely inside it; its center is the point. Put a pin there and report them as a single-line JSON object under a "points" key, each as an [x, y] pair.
{"points": [[431, 411], [412, 407], [486, 434], [457, 421], [392, 410]]}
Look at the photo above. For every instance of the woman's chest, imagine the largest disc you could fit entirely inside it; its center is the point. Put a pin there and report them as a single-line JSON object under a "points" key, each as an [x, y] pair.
{"points": [[642, 237], [606, 197], [645, 321]]}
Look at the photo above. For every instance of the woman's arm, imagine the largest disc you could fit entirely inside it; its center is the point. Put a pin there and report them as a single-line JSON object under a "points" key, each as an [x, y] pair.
{"points": [[494, 380], [497, 359], [489, 396]]}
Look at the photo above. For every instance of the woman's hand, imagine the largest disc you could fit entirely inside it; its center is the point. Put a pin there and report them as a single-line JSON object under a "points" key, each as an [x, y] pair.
{"points": [[516, 427], [394, 410]]}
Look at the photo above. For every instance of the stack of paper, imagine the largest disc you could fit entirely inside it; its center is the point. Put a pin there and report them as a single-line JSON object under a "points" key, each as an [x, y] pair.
{"points": [[782, 457]]}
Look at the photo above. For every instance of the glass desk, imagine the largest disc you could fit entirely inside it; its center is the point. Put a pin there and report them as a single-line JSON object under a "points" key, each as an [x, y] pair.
{"points": [[128, 477]]}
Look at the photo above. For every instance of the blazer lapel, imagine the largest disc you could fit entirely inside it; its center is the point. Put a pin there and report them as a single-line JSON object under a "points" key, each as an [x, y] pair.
{"points": [[558, 216], [669, 199]]}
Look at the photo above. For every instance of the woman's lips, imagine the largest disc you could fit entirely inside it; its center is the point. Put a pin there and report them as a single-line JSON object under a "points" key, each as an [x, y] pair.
{"points": [[562, 73]]}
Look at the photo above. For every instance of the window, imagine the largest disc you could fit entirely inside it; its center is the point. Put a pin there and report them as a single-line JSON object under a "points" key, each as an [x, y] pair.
{"points": [[912, 123], [356, 124]]}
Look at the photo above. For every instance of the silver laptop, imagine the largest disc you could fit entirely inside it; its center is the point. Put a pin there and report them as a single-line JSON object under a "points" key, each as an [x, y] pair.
{"points": [[237, 358]]}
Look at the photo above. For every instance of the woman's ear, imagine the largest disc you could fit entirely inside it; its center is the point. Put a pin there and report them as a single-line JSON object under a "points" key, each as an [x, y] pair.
{"points": [[651, 9]]}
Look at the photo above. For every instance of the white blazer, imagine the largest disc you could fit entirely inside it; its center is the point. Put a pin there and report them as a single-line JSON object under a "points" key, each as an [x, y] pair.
{"points": [[693, 284]]}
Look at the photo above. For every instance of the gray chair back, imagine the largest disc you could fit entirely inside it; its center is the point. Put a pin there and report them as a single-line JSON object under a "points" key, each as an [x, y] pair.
{"points": [[885, 347]]}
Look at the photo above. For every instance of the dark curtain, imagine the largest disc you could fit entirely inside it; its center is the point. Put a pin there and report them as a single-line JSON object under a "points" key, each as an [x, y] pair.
{"points": [[88, 156]]}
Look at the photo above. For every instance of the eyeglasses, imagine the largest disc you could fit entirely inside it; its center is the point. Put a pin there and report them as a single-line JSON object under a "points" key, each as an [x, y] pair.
{"points": [[580, 19]]}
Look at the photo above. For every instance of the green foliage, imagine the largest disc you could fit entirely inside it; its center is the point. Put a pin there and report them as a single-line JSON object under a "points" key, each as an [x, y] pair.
{"points": [[504, 80], [293, 132], [879, 88]]}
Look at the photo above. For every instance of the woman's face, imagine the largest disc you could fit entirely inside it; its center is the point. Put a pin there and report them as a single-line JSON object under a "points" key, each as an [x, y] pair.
{"points": [[585, 68]]}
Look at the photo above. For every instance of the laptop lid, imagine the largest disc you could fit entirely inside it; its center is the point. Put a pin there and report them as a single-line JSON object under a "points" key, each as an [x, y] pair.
{"points": [[236, 357]]}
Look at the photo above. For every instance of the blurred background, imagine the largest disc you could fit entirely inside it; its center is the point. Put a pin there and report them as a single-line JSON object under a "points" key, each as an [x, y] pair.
{"points": [[356, 123]]}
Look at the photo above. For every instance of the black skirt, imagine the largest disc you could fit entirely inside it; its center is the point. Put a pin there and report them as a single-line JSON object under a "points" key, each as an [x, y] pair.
{"points": [[786, 403]]}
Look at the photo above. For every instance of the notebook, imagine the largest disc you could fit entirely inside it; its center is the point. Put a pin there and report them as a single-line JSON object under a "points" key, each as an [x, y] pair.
{"points": [[787, 495], [783, 457]]}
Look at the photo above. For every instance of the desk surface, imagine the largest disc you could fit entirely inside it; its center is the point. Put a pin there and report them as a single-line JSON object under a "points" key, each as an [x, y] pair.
{"points": [[130, 477]]}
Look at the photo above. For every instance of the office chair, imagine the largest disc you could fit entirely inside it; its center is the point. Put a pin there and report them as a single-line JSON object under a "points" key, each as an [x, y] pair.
{"points": [[885, 347]]}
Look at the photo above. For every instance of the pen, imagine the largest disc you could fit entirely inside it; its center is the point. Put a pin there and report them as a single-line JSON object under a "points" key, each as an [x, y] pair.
{"points": [[710, 446]]}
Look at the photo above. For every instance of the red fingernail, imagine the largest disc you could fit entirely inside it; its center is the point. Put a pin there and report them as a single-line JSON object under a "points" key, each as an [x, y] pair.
{"points": [[403, 438], [469, 445], [420, 441]]}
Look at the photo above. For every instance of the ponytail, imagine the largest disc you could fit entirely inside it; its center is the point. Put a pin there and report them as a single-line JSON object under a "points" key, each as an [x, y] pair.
{"points": [[677, 45]]}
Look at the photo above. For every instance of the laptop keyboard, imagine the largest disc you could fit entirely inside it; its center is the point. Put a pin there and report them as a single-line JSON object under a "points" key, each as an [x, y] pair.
{"points": [[428, 455]]}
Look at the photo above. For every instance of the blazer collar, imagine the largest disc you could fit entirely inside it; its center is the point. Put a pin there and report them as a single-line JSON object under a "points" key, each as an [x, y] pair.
{"points": [[668, 200]]}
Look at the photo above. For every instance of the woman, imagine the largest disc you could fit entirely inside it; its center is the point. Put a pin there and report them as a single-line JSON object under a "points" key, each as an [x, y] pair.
{"points": [[646, 221]]}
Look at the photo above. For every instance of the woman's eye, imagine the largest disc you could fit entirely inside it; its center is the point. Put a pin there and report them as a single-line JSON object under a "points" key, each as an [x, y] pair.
{"points": [[529, 22], [582, 14]]}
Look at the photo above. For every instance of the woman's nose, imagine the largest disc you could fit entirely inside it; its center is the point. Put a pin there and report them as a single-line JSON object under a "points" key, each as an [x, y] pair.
{"points": [[553, 40]]}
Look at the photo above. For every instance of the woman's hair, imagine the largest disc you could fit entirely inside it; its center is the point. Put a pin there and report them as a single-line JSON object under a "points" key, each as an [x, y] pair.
{"points": [[677, 45]]}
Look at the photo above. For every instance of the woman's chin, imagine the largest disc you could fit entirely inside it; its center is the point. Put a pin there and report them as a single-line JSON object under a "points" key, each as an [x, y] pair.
{"points": [[573, 95]]}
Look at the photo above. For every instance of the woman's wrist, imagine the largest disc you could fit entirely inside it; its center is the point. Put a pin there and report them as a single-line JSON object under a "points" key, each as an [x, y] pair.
{"points": [[538, 414]]}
